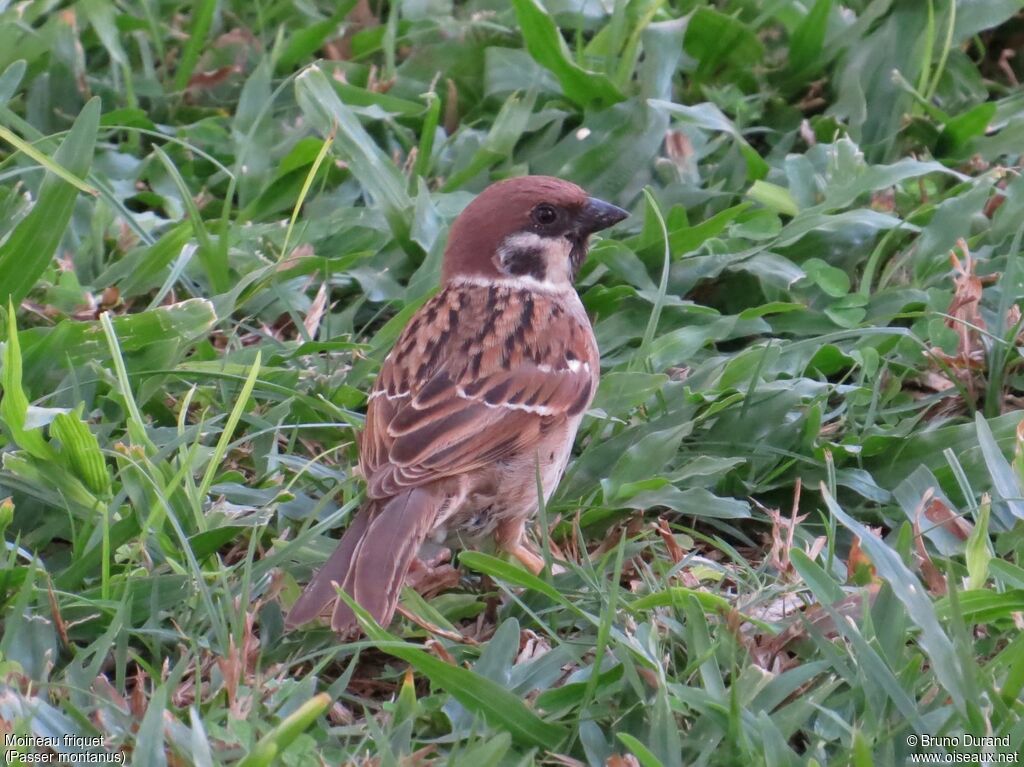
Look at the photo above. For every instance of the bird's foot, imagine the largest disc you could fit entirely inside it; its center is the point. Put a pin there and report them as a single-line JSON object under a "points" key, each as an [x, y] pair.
{"points": [[432, 576], [531, 560]]}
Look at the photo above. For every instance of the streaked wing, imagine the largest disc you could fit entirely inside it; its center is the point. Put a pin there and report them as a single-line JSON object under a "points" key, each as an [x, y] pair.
{"points": [[471, 381]]}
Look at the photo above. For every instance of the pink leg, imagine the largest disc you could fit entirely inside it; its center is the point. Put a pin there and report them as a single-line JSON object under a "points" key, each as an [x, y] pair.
{"points": [[509, 537]]}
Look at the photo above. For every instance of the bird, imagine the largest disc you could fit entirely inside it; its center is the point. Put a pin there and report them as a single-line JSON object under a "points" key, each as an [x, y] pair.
{"points": [[481, 395]]}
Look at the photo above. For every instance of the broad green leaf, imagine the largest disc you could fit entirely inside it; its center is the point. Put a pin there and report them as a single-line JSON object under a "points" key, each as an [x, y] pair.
{"points": [[499, 707], [545, 44], [643, 754], [774, 197], [909, 590], [200, 21], [270, 746], [30, 248], [14, 405], [76, 343], [977, 550], [374, 170], [1003, 478], [807, 40], [499, 568], [716, 41], [82, 451]]}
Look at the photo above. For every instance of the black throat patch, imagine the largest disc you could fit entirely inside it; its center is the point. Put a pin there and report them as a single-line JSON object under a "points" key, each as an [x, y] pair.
{"points": [[525, 261]]}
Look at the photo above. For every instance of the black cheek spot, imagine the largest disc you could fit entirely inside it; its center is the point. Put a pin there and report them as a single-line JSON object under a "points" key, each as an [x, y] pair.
{"points": [[552, 456], [526, 262]]}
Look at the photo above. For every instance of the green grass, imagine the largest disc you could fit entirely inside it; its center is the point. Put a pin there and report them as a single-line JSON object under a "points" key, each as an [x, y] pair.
{"points": [[215, 219]]}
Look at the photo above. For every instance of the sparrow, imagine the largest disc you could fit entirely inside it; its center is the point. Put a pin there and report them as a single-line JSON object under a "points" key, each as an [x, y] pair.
{"points": [[482, 393]]}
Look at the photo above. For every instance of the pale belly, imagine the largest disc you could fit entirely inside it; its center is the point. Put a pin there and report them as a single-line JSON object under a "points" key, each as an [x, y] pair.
{"points": [[509, 490]]}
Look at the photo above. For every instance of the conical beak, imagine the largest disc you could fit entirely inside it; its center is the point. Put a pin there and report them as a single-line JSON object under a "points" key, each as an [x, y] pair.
{"points": [[597, 215]]}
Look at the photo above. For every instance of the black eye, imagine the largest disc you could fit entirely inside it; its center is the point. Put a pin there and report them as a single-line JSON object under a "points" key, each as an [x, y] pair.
{"points": [[545, 215]]}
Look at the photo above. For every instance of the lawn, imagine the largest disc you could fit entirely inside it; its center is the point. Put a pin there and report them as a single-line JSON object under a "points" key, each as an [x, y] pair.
{"points": [[792, 530]]}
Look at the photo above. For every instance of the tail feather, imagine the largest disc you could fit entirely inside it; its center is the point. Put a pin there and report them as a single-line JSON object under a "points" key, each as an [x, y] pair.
{"points": [[382, 558], [371, 560], [320, 591]]}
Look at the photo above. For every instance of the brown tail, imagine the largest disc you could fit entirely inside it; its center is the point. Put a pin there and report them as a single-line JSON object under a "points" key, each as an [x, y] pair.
{"points": [[371, 560]]}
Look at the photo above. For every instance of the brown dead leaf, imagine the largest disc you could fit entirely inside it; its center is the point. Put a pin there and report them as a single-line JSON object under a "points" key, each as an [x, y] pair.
{"points": [[138, 699], [995, 202], [937, 512], [816, 617], [967, 364], [940, 515], [451, 108], [375, 85], [238, 667], [440, 651], [564, 760], [531, 646], [102, 688], [649, 676], [423, 623], [807, 132], [110, 297], [340, 714], [1006, 68], [622, 760], [783, 532], [933, 577], [231, 670], [675, 551], [316, 311], [58, 620], [812, 101], [858, 561], [679, 149], [884, 200], [299, 252], [212, 78], [359, 18]]}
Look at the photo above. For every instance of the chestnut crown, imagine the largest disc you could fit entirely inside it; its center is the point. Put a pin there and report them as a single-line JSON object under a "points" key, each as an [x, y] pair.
{"points": [[534, 227]]}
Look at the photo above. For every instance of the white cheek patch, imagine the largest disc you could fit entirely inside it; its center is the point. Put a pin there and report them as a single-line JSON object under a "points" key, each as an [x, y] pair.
{"points": [[522, 241], [529, 257]]}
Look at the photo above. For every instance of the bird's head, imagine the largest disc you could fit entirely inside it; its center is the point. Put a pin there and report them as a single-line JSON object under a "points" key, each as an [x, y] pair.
{"points": [[534, 229]]}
